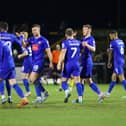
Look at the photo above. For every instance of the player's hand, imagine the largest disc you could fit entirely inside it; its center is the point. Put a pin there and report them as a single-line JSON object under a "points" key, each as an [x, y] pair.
{"points": [[51, 65], [59, 66], [109, 65], [17, 34], [108, 50], [85, 44], [19, 56]]}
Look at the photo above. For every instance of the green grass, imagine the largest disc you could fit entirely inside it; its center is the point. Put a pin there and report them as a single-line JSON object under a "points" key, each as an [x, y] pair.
{"points": [[55, 113]]}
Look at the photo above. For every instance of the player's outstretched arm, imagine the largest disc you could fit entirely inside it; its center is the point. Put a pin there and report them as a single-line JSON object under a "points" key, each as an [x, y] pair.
{"points": [[24, 44], [48, 51], [25, 53], [25, 38], [20, 39]]}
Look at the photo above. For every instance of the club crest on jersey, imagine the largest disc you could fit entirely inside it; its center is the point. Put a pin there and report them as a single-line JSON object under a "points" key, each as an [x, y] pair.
{"points": [[35, 47], [39, 42]]}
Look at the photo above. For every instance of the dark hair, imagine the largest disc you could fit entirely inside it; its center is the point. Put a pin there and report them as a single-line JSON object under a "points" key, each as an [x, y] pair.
{"points": [[24, 28], [3, 26], [69, 31], [36, 25], [88, 26], [113, 32]]}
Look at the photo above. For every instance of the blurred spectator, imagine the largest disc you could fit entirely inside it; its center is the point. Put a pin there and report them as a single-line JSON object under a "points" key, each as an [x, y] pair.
{"points": [[55, 54], [99, 67], [109, 70], [98, 58]]}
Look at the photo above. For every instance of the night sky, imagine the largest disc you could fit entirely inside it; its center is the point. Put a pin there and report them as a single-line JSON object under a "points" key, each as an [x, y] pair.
{"points": [[99, 13]]}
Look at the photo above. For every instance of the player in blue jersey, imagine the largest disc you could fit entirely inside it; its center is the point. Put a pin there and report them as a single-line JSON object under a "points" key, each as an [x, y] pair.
{"points": [[39, 45], [70, 55], [88, 46], [2, 32], [117, 50], [27, 64], [7, 66]]}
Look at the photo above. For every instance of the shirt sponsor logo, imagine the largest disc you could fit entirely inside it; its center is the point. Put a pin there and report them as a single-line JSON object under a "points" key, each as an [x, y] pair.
{"points": [[35, 47]]}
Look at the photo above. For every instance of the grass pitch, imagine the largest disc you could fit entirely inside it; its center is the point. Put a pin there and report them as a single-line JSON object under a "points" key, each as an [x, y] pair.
{"points": [[56, 113]]}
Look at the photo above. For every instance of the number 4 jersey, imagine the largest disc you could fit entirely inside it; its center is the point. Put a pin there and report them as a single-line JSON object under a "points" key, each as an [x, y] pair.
{"points": [[118, 46]]}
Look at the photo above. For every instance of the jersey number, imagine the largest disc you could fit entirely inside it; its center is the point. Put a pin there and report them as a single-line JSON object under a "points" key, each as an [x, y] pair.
{"points": [[8, 43], [122, 50], [74, 52]]}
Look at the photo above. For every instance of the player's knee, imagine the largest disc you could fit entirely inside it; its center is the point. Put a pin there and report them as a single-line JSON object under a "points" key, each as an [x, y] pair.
{"points": [[121, 77], [114, 77], [64, 79], [89, 81], [23, 76], [12, 81], [32, 80], [76, 79]]}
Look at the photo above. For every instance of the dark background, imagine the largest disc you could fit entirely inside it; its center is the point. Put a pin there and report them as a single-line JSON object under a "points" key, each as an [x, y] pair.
{"points": [[99, 13]]}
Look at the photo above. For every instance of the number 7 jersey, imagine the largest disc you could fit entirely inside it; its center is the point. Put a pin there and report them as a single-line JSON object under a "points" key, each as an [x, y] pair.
{"points": [[73, 50]]}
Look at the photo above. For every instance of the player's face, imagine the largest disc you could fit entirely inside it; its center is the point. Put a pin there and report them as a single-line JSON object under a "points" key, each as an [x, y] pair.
{"points": [[75, 34], [111, 36], [36, 31], [25, 34], [58, 47], [86, 31]]}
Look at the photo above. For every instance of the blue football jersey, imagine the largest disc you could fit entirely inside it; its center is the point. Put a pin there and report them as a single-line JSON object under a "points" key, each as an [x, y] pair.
{"points": [[7, 40], [28, 58], [38, 48], [10, 38], [6, 58], [118, 46], [73, 50], [86, 57]]}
